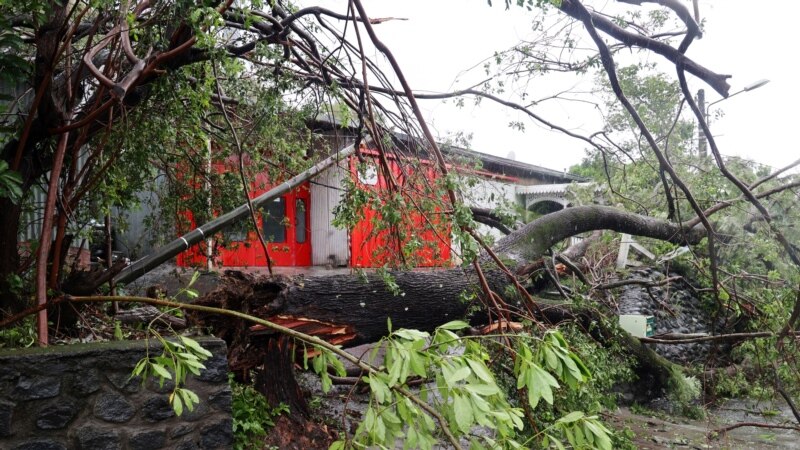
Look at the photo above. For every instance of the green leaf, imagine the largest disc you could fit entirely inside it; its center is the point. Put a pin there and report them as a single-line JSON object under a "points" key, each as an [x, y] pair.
{"points": [[411, 335], [177, 405], [463, 412], [484, 390], [581, 366], [550, 357], [571, 417], [338, 366], [379, 389], [161, 371], [139, 368], [454, 325], [416, 362], [457, 375], [195, 346], [480, 370]]}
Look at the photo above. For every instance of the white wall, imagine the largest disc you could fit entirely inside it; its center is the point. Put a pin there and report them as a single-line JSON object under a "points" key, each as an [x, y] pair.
{"points": [[329, 245]]}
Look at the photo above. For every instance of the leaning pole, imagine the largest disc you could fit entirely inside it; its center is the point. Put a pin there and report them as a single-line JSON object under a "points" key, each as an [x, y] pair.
{"points": [[183, 243]]}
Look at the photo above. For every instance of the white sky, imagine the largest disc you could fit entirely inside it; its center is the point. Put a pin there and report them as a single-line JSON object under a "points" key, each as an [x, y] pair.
{"points": [[442, 39]]}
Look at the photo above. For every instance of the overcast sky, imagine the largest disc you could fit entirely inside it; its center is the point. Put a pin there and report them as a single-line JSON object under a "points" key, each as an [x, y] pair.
{"points": [[443, 39]]}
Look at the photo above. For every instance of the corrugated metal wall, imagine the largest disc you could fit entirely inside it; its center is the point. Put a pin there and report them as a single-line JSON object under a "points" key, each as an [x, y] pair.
{"points": [[134, 235], [30, 229], [329, 245]]}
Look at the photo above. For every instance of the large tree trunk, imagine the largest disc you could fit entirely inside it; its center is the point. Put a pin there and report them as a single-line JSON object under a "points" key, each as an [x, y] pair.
{"points": [[350, 310]]}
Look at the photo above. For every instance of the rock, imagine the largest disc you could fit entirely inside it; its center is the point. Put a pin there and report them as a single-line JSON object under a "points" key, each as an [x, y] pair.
{"points": [[41, 444], [113, 407], [216, 369], [87, 383], [157, 408], [680, 441], [181, 430], [221, 400], [148, 440], [6, 414], [219, 435], [34, 388], [160, 386], [94, 438], [8, 373], [187, 445], [124, 382], [55, 417]]}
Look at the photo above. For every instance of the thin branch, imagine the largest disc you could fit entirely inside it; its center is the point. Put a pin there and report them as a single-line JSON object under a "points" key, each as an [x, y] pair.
{"points": [[681, 339], [245, 189], [637, 281], [724, 430]]}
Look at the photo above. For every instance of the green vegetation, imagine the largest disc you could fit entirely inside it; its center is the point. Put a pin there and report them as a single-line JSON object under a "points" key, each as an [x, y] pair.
{"points": [[252, 416]]}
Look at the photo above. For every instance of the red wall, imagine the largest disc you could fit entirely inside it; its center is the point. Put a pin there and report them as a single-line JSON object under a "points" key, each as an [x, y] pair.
{"points": [[371, 248]]}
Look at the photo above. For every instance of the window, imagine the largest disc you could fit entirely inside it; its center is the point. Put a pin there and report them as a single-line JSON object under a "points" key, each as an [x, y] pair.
{"points": [[368, 175], [238, 231], [275, 221], [300, 220]]}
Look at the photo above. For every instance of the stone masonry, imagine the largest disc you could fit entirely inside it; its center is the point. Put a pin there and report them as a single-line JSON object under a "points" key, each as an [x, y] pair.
{"points": [[82, 397]]}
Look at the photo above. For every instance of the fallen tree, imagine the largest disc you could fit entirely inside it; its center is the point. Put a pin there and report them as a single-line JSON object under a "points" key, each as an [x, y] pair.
{"points": [[349, 310]]}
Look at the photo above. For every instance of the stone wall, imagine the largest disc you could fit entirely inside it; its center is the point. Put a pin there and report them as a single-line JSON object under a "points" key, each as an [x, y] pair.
{"points": [[82, 397]]}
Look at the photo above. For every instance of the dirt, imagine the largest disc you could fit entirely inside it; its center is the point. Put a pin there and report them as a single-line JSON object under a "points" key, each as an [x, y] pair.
{"points": [[288, 434]]}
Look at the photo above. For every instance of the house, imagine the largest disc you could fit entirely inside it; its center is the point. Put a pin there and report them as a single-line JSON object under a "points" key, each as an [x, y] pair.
{"points": [[299, 225]]}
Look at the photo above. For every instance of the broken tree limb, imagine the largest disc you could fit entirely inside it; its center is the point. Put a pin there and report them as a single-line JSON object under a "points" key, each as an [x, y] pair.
{"points": [[575, 9], [487, 217], [200, 233], [534, 239]]}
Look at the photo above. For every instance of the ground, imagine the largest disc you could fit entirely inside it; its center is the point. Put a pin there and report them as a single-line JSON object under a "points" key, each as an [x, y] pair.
{"points": [[654, 431]]}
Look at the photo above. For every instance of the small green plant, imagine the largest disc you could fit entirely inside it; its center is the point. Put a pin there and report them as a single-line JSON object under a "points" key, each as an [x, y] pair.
{"points": [[22, 335], [252, 415]]}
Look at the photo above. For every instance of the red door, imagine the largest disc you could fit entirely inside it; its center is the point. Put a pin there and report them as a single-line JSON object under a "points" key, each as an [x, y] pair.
{"points": [[285, 225]]}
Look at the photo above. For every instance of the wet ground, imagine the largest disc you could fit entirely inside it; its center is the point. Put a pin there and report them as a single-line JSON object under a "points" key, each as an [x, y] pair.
{"points": [[655, 431]]}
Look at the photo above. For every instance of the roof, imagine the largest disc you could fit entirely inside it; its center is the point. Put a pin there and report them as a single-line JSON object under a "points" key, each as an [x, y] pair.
{"points": [[513, 167], [490, 163]]}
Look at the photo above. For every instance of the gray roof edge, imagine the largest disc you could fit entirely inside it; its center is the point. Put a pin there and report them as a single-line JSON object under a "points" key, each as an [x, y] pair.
{"points": [[485, 157]]}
